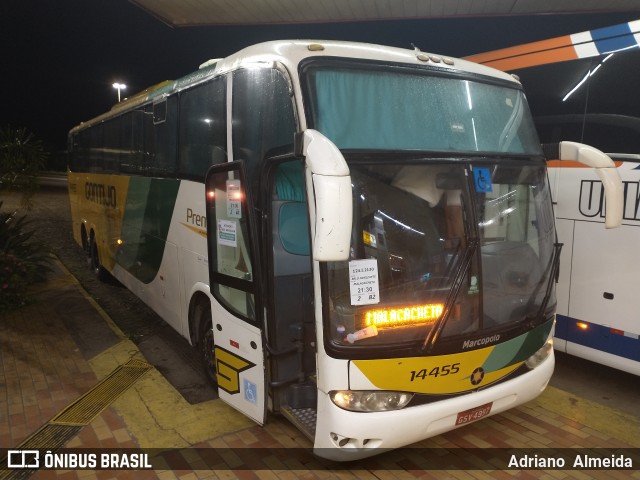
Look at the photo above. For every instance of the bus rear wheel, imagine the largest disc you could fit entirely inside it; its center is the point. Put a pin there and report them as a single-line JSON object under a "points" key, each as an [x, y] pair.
{"points": [[202, 313], [94, 262]]}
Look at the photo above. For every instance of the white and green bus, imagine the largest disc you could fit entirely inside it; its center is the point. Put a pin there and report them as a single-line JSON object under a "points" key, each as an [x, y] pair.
{"points": [[357, 237]]}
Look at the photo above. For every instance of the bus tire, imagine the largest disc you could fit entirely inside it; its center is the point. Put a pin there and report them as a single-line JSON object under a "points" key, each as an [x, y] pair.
{"points": [[86, 245], [202, 317], [97, 268]]}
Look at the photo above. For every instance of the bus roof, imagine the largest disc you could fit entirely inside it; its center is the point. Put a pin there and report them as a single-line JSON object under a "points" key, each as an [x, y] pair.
{"points": [[591, 43], [290, 53]]}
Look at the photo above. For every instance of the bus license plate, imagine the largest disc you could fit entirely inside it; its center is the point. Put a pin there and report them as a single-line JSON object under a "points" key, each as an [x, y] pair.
{"points": [[473, 414]]}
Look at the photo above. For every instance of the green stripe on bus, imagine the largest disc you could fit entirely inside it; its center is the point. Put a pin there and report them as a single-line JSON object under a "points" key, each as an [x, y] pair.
{"points": [[518, 349], [147, 217]]}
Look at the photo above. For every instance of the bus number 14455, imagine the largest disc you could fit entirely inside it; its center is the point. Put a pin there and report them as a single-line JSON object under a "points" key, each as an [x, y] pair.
{"points": [[440, 371]]}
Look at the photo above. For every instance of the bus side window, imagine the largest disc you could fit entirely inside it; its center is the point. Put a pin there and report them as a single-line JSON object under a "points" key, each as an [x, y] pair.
{"points": [[290, 221], [79, 153], [112, 144], [131, 148], [263, 117], [203, 128], [148, 140], [165, 118], [96, 147], [230, 248]]}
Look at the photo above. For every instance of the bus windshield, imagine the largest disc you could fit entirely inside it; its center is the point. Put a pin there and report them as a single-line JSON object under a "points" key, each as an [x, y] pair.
{"points": [[416, 252], [419, 109]]}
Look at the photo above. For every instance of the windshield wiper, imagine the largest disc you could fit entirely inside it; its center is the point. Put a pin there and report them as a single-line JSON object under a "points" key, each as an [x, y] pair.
{"points": [[458, 280], [553, 277]]}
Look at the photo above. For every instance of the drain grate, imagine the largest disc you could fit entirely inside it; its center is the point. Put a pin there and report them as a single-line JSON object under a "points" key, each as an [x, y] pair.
{"points": [[50, 437], [91, 404], [17, 474]]}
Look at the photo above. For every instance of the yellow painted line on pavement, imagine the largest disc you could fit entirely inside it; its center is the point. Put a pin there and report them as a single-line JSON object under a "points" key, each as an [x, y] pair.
{"points": [[157, 415], [616, 424]]}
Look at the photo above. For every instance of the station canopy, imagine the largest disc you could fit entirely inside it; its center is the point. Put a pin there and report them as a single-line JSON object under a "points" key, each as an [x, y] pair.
{"points": [[253, 12]]}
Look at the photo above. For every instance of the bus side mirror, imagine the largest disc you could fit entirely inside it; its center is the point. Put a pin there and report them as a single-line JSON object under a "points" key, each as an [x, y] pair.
{"points": [[605, 169], [331, 192]]}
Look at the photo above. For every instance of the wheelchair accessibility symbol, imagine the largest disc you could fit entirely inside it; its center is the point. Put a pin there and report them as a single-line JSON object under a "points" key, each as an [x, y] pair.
{"points": [[250, 391], [482, 178]]}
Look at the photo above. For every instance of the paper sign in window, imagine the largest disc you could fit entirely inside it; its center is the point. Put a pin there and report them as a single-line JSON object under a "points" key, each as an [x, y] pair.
{"points": [[227, 233], [234, 199], [363, 282]]}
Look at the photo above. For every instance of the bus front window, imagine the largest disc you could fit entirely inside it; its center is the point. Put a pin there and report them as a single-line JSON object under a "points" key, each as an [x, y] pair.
{"points": [[433, 247], [516, 227], [408, 239]]}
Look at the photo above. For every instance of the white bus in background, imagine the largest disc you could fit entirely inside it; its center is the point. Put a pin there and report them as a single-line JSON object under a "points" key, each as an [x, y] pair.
{"points": [[584, 87]]}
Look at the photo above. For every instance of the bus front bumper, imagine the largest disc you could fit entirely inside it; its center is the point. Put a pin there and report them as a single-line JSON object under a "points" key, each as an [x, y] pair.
{"points": [[342, 435]]}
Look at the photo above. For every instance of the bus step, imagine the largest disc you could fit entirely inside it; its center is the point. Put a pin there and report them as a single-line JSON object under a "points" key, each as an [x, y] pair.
{"points": [[303, 418]]}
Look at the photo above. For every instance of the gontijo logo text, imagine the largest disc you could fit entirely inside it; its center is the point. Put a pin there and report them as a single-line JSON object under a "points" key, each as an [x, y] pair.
{"points": [[101, 194]]}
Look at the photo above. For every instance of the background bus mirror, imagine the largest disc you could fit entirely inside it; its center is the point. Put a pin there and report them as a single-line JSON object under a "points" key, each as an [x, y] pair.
{"points": [[332, 196], [614, 196], [605, 169]]}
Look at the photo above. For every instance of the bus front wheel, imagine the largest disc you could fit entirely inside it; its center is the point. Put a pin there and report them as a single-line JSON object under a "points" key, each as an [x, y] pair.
{"points": [[202, 313]]}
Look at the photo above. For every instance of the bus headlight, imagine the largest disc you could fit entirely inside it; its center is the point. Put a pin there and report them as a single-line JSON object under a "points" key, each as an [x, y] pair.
{"points": [[370, 400], [541, 355]]}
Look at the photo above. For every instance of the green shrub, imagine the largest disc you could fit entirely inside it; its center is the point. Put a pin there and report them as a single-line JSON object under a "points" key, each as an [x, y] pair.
{"points": [[22, 157], [23, 261]]}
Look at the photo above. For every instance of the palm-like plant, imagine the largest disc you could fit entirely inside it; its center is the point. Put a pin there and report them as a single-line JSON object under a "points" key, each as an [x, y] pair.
{"points": [[22, 260], [22, 156]]}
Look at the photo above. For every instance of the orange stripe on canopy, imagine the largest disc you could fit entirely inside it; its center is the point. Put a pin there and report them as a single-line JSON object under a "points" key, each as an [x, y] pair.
{"points": [[525, 48], [554, 50]]}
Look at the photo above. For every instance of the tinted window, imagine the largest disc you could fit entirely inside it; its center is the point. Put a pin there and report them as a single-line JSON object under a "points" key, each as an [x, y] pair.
{"points": [[164, 162], [203, 128], [263, 117]]}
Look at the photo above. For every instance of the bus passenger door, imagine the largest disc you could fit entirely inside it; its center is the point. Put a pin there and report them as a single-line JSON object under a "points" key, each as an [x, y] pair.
{"points": [[234, 277], [291, 334]]}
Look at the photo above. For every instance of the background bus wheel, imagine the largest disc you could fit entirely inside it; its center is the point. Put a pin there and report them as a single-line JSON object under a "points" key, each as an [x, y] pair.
{"points": [[202, 312], [99, 271]]}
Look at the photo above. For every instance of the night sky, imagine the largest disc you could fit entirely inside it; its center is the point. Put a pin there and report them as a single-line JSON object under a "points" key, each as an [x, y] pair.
{"points": [[60, 58]]}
